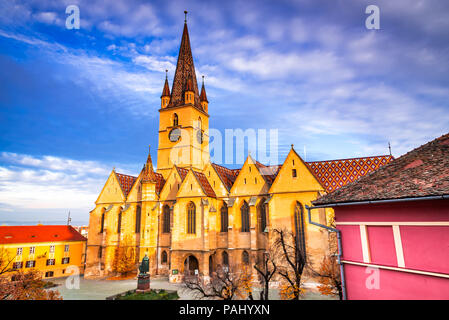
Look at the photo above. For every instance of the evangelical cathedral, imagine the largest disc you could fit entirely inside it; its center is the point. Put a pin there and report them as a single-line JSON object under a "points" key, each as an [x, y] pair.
{"points": [[190, 215]]}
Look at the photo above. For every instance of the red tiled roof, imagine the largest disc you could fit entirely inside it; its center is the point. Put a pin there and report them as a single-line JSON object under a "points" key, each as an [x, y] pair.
{"points": [[40, 233], [160, 181], [334, 174], [421, 172], [126, 182], [226, 175], [182, 172], [204, 184]]}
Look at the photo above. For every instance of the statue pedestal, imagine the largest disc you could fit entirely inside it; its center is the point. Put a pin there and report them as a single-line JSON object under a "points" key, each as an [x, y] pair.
{"points": [[143, 283]]}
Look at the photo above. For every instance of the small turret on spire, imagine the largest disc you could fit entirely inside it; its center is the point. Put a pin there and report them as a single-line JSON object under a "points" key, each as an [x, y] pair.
{"points": [[165, 97], [148, 174], [203, 98]]}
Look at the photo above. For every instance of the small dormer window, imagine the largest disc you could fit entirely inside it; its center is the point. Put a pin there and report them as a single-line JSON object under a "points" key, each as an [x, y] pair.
{"points": [[244, 181]]}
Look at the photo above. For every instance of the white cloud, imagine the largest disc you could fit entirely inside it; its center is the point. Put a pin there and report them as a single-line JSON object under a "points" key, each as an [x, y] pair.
{"points": [[49, 183], [159, 64]]}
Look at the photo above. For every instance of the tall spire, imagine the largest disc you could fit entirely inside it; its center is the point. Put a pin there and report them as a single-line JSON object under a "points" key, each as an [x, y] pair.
{"points": [[185, 70]]}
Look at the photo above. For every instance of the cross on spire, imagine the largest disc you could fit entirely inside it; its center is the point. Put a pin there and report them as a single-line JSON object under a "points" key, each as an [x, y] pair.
{"points": [[185, 16]]}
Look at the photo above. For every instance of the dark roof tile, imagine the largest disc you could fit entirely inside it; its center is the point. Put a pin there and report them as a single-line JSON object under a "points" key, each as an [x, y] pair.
{"points": [[421, 172]]}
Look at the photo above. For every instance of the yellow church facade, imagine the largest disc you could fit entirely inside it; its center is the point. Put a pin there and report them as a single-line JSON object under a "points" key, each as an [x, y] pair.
{"points": [[190, 215]]}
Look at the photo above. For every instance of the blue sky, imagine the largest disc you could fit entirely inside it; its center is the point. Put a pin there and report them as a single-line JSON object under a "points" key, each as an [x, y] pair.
{"points": [[76, 103]]}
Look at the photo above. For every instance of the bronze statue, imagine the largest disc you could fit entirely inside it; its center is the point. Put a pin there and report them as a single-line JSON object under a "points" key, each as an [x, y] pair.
{"points": [[145, 265]]}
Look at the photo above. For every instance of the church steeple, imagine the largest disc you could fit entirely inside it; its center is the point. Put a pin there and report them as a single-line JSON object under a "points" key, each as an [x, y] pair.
{"points": [[184, 121], [185, 72]]}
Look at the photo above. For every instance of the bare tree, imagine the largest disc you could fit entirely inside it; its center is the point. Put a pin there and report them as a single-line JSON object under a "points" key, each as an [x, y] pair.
{"points": [[329, 276], [5, 261], [291, 261], [266, 273], [225, 283], [26, 286]]}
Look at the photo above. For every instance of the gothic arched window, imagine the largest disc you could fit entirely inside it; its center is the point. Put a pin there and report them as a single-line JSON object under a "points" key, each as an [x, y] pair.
{"points": [[102, 223], [175, 120], [191, 218], [138, 217], [166, 219], [244, 210], [299, 228], [224, 218], [263, 213], [119, 222]]}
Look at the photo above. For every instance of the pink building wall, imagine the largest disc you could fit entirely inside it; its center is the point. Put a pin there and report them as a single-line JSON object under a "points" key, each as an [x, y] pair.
{"points": [[411, 262]]}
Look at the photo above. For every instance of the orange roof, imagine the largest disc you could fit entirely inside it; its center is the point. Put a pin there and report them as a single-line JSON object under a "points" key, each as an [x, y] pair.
{"points": [[333, 174], [421, 172], [226, 175], [204, 184], [182, 172], [126, 182], [160, 181], [39, 233]]}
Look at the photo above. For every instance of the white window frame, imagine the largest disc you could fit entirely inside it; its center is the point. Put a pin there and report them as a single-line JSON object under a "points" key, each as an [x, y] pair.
{"points": [[52, 249]]}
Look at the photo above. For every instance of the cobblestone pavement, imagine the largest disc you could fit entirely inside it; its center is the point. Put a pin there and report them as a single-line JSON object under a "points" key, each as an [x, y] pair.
{"points": [[99, 289]]}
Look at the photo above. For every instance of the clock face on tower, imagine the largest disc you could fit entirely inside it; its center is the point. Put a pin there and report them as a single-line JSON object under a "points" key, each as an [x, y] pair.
{"points": [[174, 134]]}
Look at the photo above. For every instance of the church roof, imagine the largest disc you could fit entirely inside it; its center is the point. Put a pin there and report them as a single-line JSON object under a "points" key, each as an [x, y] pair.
{"points": [[182, 172], [160, 181], [185, 71], [334, 174], [421, 172], [226, 175], [204, 184], [126, 182], [39, 233]]}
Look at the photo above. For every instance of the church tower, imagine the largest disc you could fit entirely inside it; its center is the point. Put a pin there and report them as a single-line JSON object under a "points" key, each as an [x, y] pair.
{"points": [[183, 117]]}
